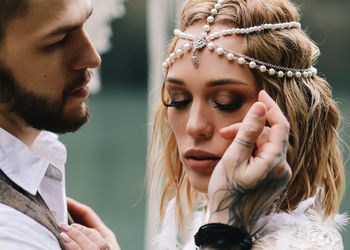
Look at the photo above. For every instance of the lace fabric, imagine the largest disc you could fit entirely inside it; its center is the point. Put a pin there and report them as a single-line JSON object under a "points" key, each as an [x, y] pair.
{"points": [[312, 234]]}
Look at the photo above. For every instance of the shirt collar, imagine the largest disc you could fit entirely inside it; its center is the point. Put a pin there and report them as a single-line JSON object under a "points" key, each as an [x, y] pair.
{"points": [[27, 167]]}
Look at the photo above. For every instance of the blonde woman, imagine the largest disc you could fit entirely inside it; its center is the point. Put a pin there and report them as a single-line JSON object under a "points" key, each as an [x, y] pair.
{"points": [[285, 197], [245, 137]]}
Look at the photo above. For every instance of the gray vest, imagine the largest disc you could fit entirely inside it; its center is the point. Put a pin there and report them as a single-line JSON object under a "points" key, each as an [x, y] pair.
{"points": [[33, 206]]}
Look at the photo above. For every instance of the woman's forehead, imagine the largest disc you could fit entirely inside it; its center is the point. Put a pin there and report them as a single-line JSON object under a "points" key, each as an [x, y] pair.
{"points": [[233, 42]]}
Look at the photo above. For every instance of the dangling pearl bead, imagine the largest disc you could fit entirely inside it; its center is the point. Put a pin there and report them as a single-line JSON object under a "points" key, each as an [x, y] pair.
{"points": [[272, 72], [164, 65], [262, 68], [187, 46], [241, 60], [305, 74], [214, 11], [252, 65], [211, 46], [297, 74], [172, 56], [206, 27], [280, 74], [210, 19], [220, 1], [230, 56], [219, 51], [289, 73]]}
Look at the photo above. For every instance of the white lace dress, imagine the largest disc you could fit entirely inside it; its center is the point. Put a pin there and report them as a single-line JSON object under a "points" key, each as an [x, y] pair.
{"points": [[302, 228]]}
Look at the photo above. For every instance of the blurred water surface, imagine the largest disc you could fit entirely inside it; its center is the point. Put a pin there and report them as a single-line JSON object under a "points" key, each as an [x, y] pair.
{"points": [[106, 162]]}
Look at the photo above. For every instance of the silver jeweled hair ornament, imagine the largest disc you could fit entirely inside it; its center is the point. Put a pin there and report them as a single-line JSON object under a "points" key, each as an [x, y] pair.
{"points": [[207, 41]]}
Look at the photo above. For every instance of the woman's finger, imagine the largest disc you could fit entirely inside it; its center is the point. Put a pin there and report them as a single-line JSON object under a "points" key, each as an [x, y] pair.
{"points": [[93, 236], [78, 238], [69, 243], [86, 216], [276, 147], [249, 131], [83, 214], [274, 114], [231, 131]]}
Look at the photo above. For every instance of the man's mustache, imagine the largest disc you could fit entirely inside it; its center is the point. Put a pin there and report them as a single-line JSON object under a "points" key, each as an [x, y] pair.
{"points": [[80, 81]]}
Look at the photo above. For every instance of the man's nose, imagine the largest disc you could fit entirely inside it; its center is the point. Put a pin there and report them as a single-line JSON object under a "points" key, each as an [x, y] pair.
{"points": [[86, 55]]}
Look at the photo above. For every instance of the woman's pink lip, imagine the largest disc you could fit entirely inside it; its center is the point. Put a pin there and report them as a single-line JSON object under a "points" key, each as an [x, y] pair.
{"points": [[200, 153], [202, 165], [201, 160]]}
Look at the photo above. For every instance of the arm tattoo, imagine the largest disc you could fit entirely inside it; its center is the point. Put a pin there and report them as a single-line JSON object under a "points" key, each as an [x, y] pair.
{"points": [[247, 203]]}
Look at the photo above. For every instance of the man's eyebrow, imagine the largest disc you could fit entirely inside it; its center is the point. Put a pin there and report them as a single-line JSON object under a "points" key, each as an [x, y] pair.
{"points": [[225, 81], [66, 29], [175, 81]]}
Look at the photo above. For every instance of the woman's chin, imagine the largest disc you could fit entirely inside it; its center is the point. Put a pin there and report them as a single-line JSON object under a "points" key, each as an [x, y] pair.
{"points": [[200, 184]]}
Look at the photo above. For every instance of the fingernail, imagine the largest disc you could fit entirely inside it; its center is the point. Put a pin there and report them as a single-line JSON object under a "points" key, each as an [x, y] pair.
{"points": [[65, 237], [258, 109], [64, 227], [76, 226]]}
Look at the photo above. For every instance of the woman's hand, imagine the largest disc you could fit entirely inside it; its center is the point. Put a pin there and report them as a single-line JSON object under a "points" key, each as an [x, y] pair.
{"points": [[90, 233], [253, 171]]}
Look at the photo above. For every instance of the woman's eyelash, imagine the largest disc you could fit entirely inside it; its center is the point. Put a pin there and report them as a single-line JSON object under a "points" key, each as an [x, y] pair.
{"points": [[178, 105], [228, 107]]}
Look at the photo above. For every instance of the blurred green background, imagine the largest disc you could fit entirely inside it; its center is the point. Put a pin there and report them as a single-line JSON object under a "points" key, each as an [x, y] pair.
{"points": [[107, 157]]}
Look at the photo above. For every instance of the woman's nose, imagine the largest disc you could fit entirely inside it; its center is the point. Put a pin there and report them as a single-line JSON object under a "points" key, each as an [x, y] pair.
{"points": [[199, 122]]}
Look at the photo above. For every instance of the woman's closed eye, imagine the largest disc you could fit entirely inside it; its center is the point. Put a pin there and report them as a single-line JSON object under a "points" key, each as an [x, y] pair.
{"points": [[178, 104], [228, 107], [178, 99], [227, 101]]}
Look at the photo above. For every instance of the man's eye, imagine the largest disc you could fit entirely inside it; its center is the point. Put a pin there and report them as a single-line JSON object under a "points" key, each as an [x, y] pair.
{"points": [[59, 43], [178, 104], [231, 107]]}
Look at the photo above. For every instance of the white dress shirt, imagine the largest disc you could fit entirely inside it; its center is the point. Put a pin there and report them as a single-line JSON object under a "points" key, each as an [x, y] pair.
{"points": [[36, 169]]}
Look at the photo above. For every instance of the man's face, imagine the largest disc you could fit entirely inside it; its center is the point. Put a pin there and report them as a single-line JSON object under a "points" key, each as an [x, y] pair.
{"points": [[45, 62]]}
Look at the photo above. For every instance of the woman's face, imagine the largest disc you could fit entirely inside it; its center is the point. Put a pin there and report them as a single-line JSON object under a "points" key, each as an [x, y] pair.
{"points": [[204, 99]]}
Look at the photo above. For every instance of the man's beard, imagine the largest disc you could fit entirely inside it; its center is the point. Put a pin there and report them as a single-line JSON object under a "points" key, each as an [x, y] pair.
{"points": [[41, 112]]}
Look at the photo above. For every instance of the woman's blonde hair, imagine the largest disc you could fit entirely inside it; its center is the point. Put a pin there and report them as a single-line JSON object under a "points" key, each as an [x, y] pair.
{"points": [[313, 151]]}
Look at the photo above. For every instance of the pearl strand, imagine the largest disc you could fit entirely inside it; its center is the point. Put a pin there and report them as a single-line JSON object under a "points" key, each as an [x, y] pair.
{"points": [[253, 29], [205, 41], [241, 59]]}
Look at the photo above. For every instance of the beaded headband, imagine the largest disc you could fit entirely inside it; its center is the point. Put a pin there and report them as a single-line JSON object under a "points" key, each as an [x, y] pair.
{"points": [[207, 41]]}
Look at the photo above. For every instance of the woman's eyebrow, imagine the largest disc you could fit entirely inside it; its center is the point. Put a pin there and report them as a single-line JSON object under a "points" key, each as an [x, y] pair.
{"points": [[175, 81], [211, 83], [225, 81]]}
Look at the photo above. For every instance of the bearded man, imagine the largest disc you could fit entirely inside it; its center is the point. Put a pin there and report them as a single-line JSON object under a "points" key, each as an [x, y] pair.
{"points": [[46, 59]]}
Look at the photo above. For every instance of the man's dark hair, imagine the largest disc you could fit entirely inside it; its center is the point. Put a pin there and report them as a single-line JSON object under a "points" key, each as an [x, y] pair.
{"points": [[10, 9]]}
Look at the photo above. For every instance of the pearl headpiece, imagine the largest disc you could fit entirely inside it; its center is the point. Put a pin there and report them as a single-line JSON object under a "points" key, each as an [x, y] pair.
{"points": [[207, 39]]}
